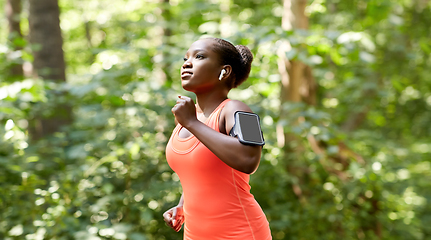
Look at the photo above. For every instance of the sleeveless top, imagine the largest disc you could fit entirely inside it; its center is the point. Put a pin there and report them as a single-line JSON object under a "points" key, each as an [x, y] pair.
{"points": [[218, 204]]}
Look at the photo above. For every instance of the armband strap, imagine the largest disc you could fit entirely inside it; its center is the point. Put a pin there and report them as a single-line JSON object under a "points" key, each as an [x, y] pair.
{"points": [[247, 129]]}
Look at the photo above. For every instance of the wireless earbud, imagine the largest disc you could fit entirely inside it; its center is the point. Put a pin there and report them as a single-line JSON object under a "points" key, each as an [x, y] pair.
{"points": [[221, 74]]}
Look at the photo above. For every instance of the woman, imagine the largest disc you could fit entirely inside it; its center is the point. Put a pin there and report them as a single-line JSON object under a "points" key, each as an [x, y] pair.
{"points": [[214, 167]]}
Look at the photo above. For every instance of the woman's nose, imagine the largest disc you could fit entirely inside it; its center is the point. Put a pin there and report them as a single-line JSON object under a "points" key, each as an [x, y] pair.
{"points": [[187, 64]]}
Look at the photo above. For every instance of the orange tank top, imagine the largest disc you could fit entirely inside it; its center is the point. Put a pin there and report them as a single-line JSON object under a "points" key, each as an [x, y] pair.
{"points": [[218, 204]]}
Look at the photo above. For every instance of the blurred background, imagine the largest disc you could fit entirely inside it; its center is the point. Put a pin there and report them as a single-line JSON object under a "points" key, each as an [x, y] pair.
{"points": [[343, 89]]}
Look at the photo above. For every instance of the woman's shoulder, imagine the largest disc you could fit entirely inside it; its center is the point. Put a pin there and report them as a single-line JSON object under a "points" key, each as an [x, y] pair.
{"points": [[235, 105], [227, 114]]}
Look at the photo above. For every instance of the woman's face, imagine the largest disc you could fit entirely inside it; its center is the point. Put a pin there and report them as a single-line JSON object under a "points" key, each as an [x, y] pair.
{"points": [[201, 68]]}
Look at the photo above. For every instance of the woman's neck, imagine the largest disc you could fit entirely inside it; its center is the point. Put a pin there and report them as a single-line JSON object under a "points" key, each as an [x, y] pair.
{"points": [[207, 102]]}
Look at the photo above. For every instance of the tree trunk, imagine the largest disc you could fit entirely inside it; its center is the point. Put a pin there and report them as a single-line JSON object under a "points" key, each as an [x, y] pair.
{"points": [[45, 36], [293, 18], [166, 39], [47, 42], [296, 79], [13, 11]]}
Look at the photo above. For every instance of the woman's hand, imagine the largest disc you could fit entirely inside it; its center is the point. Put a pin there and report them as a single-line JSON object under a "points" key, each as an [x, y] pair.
{"points": [[174, 217], [185, 111]]}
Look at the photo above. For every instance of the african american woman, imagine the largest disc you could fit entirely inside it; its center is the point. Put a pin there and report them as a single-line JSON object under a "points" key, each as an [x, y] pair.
{"points": [[214, 168]]}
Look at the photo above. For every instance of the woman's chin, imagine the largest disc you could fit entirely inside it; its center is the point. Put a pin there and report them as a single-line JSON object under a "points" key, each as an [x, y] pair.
{"points": [[186, 86]]}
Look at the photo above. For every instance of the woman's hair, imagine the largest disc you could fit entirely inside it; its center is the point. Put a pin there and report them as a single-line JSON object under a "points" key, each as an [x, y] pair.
{"points": [[239, 57]]}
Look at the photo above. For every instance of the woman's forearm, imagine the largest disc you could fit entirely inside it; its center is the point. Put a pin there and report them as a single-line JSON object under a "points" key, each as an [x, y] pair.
{"points": [[181, 202], [241, 157]]}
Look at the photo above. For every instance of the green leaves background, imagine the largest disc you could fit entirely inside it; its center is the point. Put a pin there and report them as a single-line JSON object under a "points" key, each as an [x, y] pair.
{"points": [[106, 177]]}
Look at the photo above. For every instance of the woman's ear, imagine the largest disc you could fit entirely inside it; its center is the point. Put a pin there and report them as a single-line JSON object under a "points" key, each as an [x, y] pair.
{"points": [[228, 71]]}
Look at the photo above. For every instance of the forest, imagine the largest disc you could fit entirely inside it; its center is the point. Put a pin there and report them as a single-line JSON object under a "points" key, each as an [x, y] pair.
{"points": [[342, 88]]}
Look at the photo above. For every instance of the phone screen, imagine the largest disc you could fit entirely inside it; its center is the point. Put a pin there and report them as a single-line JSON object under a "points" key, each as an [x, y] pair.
{"points": [[250, 128]]}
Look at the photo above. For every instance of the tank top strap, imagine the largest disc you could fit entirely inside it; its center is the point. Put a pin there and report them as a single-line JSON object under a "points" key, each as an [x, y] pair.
{"points": [[213, 121]]}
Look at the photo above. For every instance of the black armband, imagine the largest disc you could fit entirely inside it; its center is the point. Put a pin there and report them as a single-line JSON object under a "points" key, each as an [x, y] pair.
{"points": [[247, 128]]}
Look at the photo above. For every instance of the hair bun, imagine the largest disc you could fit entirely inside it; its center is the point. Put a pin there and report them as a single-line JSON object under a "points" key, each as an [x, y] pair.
{"points": [[247, 58]]}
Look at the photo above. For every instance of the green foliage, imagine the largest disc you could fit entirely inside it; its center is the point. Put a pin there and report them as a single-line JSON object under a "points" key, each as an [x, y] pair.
{"points": [[106, 177]]}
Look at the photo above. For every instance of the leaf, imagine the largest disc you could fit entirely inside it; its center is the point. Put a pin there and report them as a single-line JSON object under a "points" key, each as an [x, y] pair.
{"points": [[137, 236]]}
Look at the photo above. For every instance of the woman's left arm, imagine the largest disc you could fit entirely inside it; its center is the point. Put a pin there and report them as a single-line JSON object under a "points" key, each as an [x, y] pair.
{"points": [[244, 158]]}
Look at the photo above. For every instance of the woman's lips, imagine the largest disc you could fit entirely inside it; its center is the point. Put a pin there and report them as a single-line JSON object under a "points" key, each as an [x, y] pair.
{"points": [[186, 74]]}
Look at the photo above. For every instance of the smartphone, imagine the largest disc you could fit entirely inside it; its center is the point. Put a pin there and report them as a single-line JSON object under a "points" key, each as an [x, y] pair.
{"points": [[247, 128]]}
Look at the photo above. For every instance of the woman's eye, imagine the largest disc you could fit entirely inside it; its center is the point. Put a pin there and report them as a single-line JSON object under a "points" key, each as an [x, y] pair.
{"points": [[199, 56], [185, 59]]}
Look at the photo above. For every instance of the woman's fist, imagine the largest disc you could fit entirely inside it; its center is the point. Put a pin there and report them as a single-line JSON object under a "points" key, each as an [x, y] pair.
{"points": [[174, 217], [184, 111]]}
